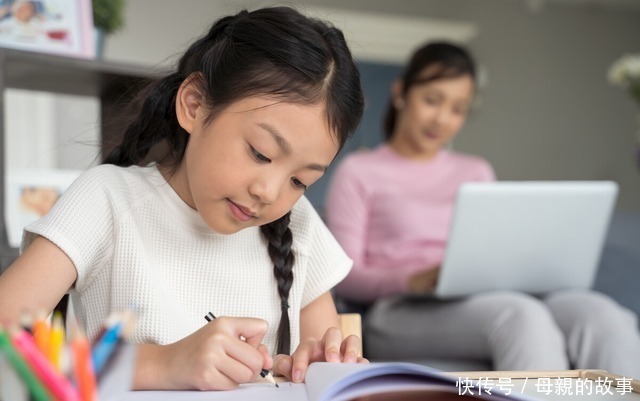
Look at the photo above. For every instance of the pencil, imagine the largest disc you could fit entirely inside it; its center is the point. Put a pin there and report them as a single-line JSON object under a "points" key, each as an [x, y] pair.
{"points": [[42, 333], [83, 368], [264, 373], [34, 385], [58, 385], [56, 341], [105, 346], [118, 328]]}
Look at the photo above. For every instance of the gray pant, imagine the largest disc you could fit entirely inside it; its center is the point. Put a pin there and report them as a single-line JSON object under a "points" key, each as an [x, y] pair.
{"points": [[515, 331]]}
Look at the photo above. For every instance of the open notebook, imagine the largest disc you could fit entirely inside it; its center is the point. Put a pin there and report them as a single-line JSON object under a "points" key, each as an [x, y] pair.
{"points": [[342, 382]]}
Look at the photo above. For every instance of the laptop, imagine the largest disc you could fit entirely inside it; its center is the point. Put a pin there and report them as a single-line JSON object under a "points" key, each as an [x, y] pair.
{"points": [[530, 236]]}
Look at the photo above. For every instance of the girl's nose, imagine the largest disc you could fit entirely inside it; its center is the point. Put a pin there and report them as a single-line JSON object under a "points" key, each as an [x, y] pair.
{"points": [[266, 190], [442, 116]]}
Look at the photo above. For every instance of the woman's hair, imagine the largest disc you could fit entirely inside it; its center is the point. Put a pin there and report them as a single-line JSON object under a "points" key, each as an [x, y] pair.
{"points": [[276, 52], [446, 60]]}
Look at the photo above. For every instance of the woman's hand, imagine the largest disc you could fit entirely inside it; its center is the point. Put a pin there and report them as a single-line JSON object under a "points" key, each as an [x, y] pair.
{"points": [[424, 281], [212, 358], [332, 348]]}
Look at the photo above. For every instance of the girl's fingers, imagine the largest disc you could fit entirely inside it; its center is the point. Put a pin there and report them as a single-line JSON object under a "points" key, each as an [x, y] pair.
{"points": [[282, 366], [237, 372], [350, 349], [330, 349], [266, 357], [245, 354], [332, 341], [301, 358], [236, 341], [253, 330], [219, 376]]}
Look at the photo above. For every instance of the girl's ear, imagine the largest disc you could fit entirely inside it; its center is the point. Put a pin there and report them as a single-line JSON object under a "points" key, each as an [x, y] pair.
{"points": [[189, 105]]}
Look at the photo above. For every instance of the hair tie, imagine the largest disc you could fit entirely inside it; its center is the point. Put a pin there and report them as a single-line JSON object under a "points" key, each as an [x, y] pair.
{"points": [[284, 304]]}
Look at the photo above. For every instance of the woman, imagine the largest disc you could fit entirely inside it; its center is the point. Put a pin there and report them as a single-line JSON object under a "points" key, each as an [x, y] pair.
{"points": [[390, 209]]}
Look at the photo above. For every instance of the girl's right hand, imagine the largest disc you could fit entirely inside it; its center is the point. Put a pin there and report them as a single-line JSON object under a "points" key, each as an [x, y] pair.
{"points": [[212, 358], [424, 281]]}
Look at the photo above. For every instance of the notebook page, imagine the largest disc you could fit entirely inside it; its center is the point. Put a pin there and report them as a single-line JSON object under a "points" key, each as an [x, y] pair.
{"points": [[341, 382], [326, 380], [246, 392]]}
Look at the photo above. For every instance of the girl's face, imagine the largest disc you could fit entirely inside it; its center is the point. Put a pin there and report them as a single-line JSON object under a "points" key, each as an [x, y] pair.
{"points": [[252, 163], [24, 11], [429, 115]]}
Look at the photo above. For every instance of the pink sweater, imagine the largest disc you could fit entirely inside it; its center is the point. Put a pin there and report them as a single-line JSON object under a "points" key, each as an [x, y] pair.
{"points": [[391, 215]]}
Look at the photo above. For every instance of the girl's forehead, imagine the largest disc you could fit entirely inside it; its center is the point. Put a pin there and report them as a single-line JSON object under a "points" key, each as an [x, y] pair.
{"points": [[436, 71], [462, 83], [296, 119], [281, 112]]}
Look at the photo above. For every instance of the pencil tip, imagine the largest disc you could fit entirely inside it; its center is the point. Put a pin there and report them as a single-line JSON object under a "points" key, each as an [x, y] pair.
{"points": [[267, 375]]}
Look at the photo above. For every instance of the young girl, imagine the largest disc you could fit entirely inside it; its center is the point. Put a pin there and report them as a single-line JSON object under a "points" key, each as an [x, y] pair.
{"points": [[390, 209], [255, 112]]}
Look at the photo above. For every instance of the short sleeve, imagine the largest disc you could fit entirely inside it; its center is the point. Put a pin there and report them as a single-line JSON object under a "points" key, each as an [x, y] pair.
{"points": [[80, 223], [327, 262]]}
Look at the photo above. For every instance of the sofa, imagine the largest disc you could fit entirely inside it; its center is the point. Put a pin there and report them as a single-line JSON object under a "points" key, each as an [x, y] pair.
{"points": [[618, 276], [619, 272]]}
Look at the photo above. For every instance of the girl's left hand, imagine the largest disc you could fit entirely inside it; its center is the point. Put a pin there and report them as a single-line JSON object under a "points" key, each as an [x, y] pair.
{"points": [[332, 348]]}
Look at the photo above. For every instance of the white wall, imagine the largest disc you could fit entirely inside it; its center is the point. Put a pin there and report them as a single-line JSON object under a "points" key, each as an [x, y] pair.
{"points": [[29, 141], [49, 131], [548, 112], [44, 132]]}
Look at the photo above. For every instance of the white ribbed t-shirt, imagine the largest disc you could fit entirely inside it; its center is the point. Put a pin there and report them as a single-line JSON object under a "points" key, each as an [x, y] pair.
{"points": [[133, 241]]}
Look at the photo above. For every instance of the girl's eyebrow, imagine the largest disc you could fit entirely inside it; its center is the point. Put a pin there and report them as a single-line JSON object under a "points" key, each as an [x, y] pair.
{"points": [[286, 148]]}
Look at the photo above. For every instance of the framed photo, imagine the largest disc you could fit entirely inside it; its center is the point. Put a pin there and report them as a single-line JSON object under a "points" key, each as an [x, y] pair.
{"points": [[62, 27], [29, 195]]}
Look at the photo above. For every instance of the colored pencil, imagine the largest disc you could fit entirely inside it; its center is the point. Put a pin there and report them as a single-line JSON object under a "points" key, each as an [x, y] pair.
{"points": [[42, 333], [57, 385], [105, 347], [82, 366], [29, 378], [56, 342]]}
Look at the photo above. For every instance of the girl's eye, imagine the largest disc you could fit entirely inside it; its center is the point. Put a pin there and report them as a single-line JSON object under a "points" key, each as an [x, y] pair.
{"points": [[461, 111], [431, 101], [298, 184], [259, 156]]}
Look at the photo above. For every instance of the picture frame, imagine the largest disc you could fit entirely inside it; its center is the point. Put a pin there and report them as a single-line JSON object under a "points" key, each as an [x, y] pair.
{"points": [[63, 27], [29, 195]]}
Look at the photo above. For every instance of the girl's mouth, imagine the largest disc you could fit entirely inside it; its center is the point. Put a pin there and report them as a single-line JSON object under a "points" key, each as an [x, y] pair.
{"points": [[240, 212]]}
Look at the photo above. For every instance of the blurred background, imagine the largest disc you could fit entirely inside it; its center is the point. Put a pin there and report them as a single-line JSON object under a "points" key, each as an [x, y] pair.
{"points": [[545, 110]]}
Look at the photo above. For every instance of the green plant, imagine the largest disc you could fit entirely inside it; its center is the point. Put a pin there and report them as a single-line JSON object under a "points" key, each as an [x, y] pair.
{"points": [[108, 15], [625, 72]]}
